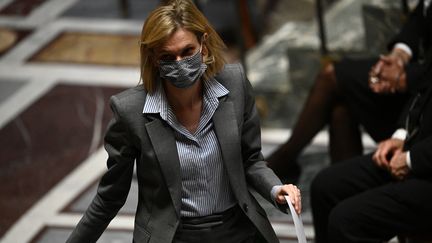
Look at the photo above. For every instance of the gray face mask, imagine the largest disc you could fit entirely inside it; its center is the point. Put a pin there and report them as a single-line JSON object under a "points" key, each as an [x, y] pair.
{"points": [[183, 73]]}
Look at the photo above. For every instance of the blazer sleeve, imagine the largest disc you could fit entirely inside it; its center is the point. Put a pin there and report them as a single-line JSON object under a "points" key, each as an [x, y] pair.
{"points": [[115, 183], [258, 175]]}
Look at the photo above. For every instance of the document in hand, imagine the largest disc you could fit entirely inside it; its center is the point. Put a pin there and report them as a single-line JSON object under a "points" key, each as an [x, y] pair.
{"points": [[298, 223]]}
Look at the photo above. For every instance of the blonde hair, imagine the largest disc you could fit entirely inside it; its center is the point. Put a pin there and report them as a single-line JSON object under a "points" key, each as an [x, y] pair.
{"points": [[162, 23]]}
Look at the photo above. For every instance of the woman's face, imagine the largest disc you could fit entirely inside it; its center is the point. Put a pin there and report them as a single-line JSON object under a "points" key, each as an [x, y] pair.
{"points": [[181, 44]]}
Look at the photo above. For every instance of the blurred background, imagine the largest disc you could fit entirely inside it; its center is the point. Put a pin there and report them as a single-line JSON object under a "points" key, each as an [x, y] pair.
{"points": [[61, 60]]}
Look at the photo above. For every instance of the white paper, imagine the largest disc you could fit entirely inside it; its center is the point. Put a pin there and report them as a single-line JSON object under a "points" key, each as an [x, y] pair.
{"points": [[298, 223]]}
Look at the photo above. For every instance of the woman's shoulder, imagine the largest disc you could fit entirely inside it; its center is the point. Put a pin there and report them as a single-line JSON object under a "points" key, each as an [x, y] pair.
{"points": [[231, 74], [232, 69], [131, 92], [132, 98]]}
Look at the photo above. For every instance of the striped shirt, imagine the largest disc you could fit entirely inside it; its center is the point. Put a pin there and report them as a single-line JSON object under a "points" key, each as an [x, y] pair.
{"points": [[205, 183]]}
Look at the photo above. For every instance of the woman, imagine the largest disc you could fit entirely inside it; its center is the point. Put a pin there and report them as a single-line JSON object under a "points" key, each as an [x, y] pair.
{"points": [[195, 137]]}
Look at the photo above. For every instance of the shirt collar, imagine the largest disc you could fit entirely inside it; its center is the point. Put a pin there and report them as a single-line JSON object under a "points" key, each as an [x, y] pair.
{"points": [[156, 102], [213, 89]]}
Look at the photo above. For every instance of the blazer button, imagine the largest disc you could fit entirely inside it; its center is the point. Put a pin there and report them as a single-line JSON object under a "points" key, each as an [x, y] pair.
{"points": [[245, 207]]}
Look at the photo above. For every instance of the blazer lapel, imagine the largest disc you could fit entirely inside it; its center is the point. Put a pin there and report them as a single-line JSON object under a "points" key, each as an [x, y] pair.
{"points": [[164, 145], [226, 128]]}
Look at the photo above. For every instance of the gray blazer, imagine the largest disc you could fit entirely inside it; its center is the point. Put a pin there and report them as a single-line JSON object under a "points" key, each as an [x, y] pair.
{"points": [[149, 141]]}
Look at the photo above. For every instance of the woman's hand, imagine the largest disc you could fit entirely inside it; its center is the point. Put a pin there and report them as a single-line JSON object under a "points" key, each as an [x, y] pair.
{"points": [[294, 194], [388, 75]]}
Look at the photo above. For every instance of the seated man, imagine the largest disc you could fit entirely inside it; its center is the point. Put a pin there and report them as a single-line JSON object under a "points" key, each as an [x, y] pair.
{"points": [[344, 97], [375, 197]]}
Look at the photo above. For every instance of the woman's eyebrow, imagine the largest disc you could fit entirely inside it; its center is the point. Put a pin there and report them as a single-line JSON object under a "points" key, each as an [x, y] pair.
{"points": [[163, 50]]}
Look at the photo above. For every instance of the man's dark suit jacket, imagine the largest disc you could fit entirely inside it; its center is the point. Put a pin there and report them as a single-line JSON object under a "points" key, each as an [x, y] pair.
{"points": [[150, 141], [420, 142], [417, 34]]}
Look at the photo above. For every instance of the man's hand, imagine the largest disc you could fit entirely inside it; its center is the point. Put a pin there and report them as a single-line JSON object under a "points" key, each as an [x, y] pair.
{"points": [[293, 192], [386, 150], [398, 165]]}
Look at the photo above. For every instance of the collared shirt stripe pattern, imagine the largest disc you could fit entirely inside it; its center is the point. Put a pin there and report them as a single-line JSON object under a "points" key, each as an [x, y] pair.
{"points": [[205, 184]]}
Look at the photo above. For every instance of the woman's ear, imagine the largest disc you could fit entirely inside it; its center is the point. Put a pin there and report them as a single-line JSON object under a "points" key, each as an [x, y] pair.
{"points": [[204, 50], [204, 46], [204, 37]]}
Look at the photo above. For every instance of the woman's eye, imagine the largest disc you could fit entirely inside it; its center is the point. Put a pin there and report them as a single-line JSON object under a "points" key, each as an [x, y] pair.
{"points": [[188, 52], [166, 58]]}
